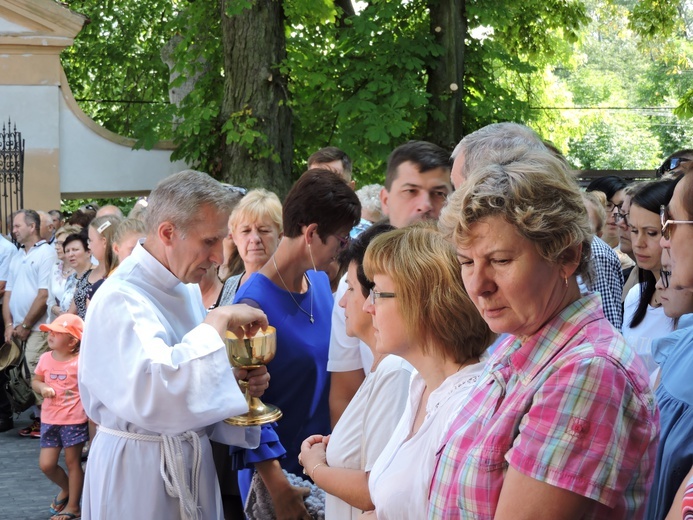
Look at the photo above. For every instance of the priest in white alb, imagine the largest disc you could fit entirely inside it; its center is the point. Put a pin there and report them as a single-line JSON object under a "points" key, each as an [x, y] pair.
{"points": [[153, 370]]}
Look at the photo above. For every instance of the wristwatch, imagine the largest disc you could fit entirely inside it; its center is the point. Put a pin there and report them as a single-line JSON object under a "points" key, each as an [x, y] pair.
{"points": [[25, 326]]}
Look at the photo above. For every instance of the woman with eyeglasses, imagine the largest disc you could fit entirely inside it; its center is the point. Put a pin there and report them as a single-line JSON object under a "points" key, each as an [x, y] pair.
{"points": [[625, 246], [422, 313], [674, 395], [643, 315], [294, 291], [60, 294], [613, 187]]}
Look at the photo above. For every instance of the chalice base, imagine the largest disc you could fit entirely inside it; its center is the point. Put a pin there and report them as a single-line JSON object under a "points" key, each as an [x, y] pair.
{"points": [[260, 413]]}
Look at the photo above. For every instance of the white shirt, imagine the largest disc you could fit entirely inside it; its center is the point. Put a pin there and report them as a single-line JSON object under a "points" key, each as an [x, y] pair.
{"points": [[7, 253], [366, 425], [346, 353], [29, 272], [654, 325], [148, 365], [401, 477]]}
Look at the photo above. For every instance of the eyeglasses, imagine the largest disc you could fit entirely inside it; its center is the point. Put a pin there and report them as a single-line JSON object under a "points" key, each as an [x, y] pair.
{"points": [[377, 294], [622, 216], [664, 276], [60, 377], [236, 189], [343, 241], [667, 222], [670, 164], [610, 206]]}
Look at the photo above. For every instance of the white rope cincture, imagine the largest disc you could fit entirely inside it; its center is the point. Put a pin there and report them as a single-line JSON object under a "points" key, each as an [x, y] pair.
{"points": [[172, 467]]}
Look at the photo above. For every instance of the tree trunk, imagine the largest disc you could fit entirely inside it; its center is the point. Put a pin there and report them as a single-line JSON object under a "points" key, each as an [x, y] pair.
{"points": [[445, 125], [254, 46]]}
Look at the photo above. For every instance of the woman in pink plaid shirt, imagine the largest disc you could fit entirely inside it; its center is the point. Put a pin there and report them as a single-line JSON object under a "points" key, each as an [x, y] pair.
{"points": [[562, 424]]}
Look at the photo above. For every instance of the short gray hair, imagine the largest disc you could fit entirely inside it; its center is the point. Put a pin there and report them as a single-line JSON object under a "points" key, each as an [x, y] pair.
{"points": [[180, 197], [496, 143], [369, 196], [536, 194]]}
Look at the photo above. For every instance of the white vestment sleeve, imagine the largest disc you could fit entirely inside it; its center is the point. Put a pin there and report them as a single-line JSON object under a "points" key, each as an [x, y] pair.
{"points": [[131, 366]]}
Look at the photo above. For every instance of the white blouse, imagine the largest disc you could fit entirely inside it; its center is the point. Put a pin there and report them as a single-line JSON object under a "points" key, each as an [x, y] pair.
{"points": [[366, 425], [401, 477]]}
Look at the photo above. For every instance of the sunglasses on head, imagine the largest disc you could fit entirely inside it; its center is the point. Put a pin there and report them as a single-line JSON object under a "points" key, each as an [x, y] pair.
{"points": [[670, 164]]}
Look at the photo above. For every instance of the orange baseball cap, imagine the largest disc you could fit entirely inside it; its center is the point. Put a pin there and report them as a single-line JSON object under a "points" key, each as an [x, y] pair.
{"points": [[66, 323]]}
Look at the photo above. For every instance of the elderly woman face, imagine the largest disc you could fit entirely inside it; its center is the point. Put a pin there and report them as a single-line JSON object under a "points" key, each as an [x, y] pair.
{"points": [[515, 289], [256, 239]]}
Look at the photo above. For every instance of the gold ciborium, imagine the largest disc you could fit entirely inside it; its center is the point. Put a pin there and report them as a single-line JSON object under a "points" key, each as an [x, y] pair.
{"points": [[251, 353]]}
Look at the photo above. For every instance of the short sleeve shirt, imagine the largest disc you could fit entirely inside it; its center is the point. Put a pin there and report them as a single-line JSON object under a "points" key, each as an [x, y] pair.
{"points": [[570, 407], [66, 407]]}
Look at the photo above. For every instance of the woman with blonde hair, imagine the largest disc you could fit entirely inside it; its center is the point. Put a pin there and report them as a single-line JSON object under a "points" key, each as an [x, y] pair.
{"points": [[100, 232], [255, 226], [421, 313], [562, 423]]}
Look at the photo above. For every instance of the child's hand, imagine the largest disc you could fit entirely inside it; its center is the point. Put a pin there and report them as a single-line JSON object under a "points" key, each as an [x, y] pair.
{"points": [[47, 391]]}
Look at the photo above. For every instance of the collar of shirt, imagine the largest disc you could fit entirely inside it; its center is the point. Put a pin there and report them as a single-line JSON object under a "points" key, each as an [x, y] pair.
{"points": [[529, 358]]}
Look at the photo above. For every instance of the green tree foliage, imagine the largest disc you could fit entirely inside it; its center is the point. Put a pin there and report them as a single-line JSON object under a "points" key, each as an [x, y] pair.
{"points": [[361, 80]]}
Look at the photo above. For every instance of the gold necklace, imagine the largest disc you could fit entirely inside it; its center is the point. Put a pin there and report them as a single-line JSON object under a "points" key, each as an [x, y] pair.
{"points": [[310, 315]]}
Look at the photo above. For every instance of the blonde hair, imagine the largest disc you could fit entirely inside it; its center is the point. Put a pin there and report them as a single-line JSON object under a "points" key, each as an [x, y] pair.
{"points": [[256, 205], [106, 227], [596, 199], [535, 193], [127, 227], [68, 229], [430, 291]]}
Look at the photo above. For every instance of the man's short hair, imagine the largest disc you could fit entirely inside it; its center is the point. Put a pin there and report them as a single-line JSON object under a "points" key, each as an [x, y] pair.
{"points": [[330, 154], [30, 217], [320, 197], [56, 213], [179, 198], [424, 155]]}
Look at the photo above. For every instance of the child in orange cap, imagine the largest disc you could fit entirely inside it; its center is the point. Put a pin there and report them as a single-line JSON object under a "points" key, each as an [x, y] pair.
{"points": [[63, 421]]}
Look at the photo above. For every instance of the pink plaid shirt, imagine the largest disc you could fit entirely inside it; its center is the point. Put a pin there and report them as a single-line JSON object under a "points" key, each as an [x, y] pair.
{"points": [[570, 407]]}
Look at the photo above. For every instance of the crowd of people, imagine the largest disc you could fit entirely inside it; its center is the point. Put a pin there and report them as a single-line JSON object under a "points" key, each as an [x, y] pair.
{"points": [[477, 338]]}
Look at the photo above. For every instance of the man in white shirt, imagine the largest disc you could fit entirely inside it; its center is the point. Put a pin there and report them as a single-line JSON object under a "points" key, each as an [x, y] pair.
{"points": [[417, 183], [24, 306], [153, 370]]}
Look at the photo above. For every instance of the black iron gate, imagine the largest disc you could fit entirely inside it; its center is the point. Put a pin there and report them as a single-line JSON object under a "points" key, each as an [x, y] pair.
{"points": [[11, 173]]}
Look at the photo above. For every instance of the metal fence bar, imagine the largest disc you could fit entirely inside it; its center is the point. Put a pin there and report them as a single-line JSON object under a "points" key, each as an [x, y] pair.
{"points": [[11, 172]]}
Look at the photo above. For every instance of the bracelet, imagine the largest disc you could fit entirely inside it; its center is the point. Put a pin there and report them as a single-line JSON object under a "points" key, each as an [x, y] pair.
{"points": [[314, 468]]}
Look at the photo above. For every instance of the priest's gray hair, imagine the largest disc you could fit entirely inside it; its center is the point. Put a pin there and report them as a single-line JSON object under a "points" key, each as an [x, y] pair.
{"points": [[180, 197]]}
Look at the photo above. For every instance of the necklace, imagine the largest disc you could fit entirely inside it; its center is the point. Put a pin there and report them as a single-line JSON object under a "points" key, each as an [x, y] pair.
{"points": [[310, 315]]}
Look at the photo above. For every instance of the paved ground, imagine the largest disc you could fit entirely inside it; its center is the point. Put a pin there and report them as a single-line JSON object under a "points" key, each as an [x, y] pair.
{"points": [[25, 492]]}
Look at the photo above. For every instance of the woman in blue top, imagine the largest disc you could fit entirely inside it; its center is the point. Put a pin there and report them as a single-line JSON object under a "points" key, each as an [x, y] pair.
{"points": [[294, 292]]}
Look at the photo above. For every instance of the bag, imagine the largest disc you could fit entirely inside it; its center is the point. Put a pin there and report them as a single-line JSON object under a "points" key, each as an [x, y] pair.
{"points": [[18, 386], [259, 506], [10, 355]]}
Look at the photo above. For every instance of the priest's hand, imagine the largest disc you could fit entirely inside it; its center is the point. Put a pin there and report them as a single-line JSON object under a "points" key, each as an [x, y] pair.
{"points": [[241, 319], [258, 379]]}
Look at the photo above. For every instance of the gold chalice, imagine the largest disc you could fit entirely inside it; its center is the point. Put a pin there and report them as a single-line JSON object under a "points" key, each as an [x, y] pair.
{"points": [[251, 353]]}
